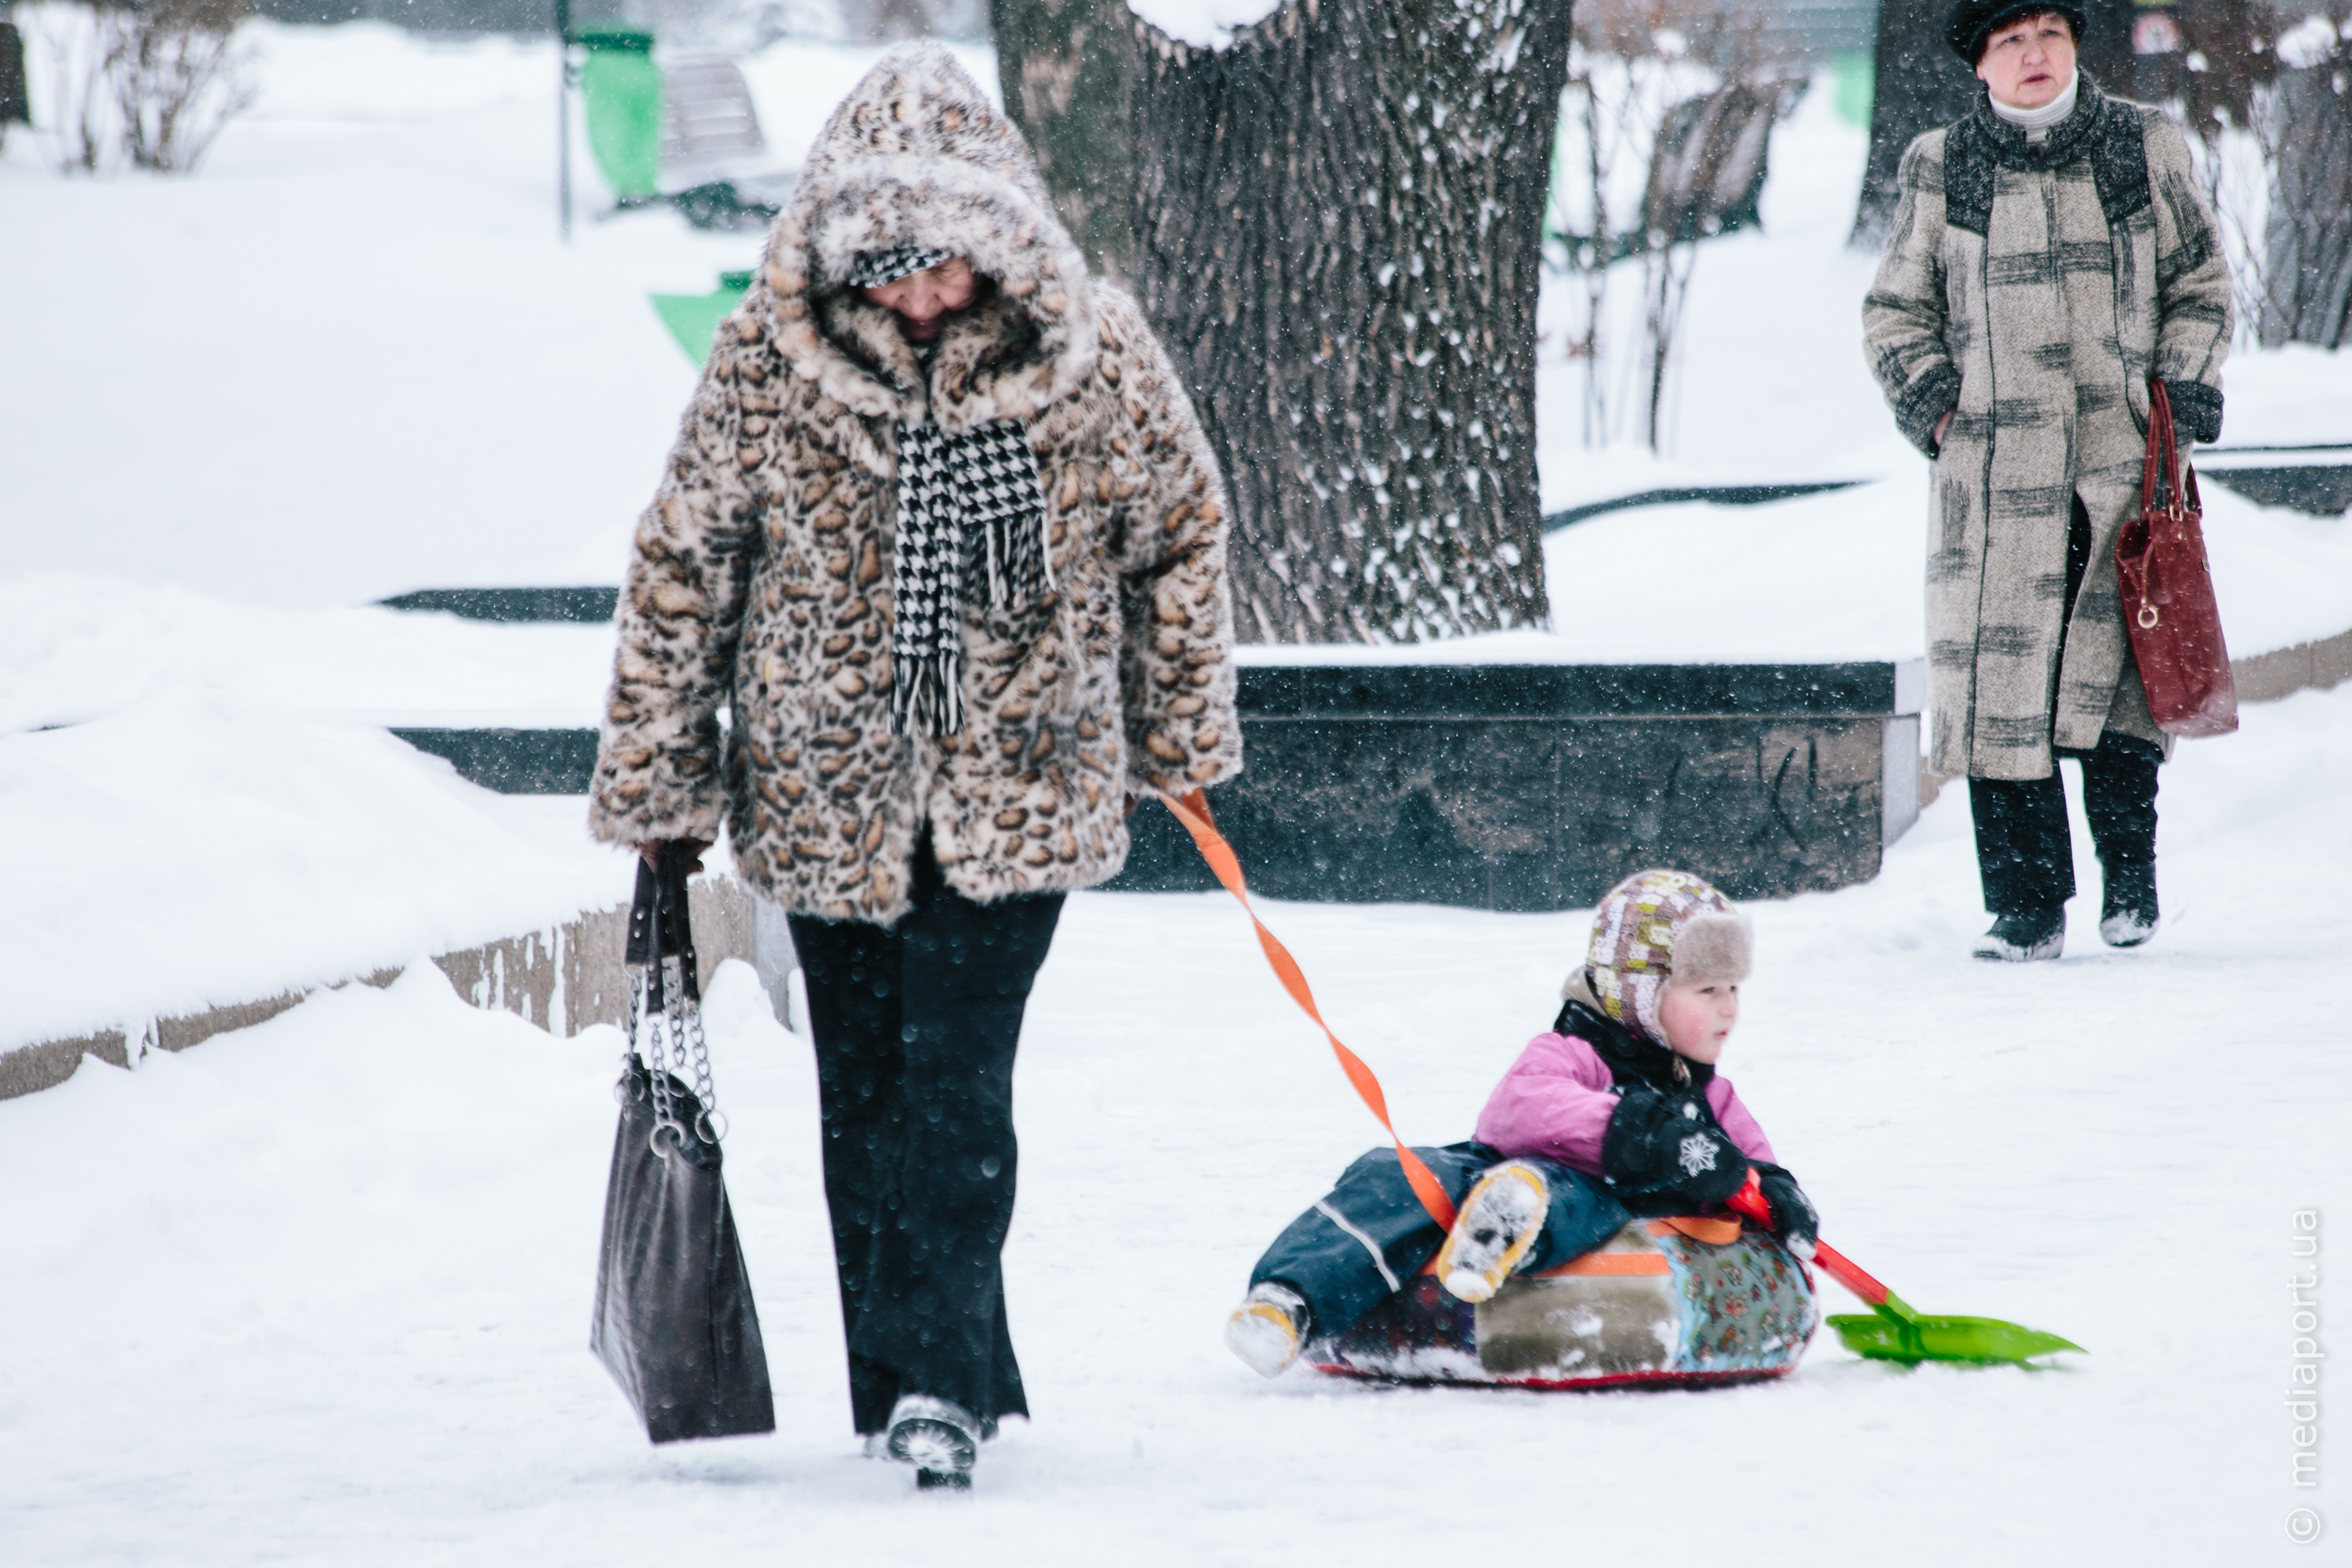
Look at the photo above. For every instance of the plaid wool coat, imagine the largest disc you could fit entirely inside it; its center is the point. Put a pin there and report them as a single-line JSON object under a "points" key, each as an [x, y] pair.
{"points": [[2035, 288]]}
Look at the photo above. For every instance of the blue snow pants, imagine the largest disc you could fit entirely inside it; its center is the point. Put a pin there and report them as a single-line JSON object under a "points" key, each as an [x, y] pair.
{"points": [[1371, 1235]]}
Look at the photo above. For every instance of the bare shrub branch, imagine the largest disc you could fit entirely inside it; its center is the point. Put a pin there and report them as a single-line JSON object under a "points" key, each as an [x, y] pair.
{"points": [[151, 82], [1687, 91]]}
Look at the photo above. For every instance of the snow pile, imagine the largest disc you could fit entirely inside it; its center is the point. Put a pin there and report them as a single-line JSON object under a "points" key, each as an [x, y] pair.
{"points": [[186, 852], [197, 806], [319, 1290], [1203, 24], [2292, 396], [73, 648]]}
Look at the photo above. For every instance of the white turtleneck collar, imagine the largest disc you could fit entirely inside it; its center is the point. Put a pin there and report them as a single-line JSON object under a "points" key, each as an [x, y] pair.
{"points": [[2036, 122]]}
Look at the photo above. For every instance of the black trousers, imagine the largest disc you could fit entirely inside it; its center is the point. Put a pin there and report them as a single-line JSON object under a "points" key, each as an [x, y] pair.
{"points": [[2025, 850], [916, 1025], [1370, 1236]]}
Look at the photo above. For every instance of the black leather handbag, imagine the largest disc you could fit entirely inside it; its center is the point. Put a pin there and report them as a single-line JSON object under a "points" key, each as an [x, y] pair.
{"points": [[675, 1322]]}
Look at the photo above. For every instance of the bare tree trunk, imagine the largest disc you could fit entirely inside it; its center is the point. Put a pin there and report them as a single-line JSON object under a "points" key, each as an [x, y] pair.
{"points": [[1339, 228], [1918, 84], [1067, 68], [15, 103]]}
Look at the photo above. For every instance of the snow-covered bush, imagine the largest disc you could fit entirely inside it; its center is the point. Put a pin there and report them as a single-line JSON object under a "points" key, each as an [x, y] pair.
{"points": [[150, 83]]}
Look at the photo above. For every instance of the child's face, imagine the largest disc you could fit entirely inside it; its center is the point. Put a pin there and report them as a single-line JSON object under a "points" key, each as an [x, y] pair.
{"points": [[1698, 1020]]}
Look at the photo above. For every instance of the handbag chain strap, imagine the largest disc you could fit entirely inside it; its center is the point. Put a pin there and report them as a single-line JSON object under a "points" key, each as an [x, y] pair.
{"points": [[665, 1010]]}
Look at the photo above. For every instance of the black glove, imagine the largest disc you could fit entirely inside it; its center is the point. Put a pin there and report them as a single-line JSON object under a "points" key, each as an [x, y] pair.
{"points": [[1662, 1145], [1794, 1220], [2196, 411]]}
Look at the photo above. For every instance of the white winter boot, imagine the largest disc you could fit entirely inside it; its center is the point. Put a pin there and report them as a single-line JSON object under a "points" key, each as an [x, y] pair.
{"points": [[1268, 1328], [1498, 1224]]}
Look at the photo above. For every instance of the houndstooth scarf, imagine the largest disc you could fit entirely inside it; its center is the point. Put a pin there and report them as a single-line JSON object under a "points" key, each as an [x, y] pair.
{"points": [[974, 491]]}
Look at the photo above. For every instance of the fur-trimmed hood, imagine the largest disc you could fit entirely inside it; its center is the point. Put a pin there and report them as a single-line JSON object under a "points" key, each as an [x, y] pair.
{"points": [[762, 579], [916, 153]]}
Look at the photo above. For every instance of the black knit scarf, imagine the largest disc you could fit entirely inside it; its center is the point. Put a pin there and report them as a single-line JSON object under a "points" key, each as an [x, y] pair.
{"points": [[973, 490]]}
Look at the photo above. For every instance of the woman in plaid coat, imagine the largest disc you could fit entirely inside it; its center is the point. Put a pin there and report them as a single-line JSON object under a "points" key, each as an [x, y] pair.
{"points": [[2051, 254]]}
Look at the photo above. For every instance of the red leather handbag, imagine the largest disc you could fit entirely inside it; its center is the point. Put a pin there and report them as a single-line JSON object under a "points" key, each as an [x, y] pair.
{"points": [[2168, 591]]}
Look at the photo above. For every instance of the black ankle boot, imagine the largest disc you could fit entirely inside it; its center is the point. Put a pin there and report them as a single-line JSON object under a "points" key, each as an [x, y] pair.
{"points": [[2128, 911], [2024, 939]]}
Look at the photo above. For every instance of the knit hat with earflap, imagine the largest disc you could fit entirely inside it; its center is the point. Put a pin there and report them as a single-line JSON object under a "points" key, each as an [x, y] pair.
{"points": [[1657, 928]]}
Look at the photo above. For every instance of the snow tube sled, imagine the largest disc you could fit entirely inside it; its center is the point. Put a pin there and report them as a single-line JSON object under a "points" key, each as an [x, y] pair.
{"points": [[1672, 1302]]}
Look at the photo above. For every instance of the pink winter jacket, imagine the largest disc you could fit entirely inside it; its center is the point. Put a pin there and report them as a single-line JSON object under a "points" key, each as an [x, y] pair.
{"points": [[1555, 1101]]}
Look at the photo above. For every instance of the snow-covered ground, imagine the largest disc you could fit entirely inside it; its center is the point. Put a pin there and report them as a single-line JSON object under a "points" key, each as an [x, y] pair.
{"points": [[317, 1291]]}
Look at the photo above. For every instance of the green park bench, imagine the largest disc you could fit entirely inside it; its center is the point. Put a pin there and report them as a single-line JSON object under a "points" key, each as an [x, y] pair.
{"points": [[677, 128]]}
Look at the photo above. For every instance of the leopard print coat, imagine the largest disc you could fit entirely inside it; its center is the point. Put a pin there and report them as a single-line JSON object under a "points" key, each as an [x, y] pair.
{"points": [[760, 580]]}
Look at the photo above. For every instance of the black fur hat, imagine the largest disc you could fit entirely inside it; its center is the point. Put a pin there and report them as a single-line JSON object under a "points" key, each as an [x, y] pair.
{"points": [[1974, 20]]}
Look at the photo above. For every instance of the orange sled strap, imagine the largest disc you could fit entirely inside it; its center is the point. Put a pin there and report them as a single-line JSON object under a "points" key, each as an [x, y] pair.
{"points": [[1191, 809]]}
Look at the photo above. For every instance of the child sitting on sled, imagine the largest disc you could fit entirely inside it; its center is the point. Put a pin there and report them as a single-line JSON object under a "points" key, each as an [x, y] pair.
{"points": [[1617, 1113]]}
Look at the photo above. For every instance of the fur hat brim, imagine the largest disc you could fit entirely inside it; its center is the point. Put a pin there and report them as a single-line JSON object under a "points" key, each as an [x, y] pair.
{"points": [[1713, 950]]}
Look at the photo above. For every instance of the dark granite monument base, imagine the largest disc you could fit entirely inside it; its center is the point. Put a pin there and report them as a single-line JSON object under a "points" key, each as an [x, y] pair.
{"points": [[1501, 787], [514, 762], [1537, 786]]}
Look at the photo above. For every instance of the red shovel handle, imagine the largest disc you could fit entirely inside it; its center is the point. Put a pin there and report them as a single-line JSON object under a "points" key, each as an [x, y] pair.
{"points": [[1750, 1200]]}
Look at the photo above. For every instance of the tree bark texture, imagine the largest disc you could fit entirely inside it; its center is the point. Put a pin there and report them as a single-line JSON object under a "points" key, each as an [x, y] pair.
{"points": [[15, 103], [1067, 68], [1338, 227], [2307, 272], [1921, 84]]}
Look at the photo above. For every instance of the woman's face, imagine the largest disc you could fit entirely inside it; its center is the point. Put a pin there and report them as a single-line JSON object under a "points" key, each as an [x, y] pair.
{"points": [[924, 301], [2029, 62]]}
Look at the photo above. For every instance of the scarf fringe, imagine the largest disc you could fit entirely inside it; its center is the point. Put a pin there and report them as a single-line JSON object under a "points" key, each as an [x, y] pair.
{"points": [[929, 695], [1016, 556]]}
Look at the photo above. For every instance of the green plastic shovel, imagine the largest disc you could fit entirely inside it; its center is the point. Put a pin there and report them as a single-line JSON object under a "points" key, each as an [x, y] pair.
{"points": [[1892, 1331]]}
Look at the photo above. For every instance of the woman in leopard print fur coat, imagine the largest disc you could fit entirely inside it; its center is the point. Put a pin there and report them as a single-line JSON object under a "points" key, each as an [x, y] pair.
{"points": [[922, 845]]}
